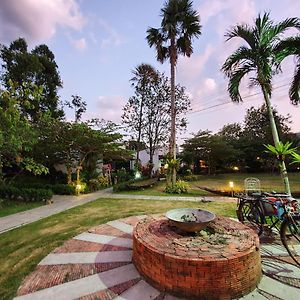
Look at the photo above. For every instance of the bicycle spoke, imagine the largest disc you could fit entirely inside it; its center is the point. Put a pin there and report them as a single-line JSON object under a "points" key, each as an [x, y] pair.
{"points": [[251, 216], [290, 236]]}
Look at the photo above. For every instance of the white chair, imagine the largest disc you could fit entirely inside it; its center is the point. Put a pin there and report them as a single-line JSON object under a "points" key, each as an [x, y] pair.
{"points": [[252, 185]]}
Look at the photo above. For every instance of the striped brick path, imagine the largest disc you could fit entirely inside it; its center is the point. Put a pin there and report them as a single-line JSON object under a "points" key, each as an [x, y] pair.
{"points": [[97, 265]]}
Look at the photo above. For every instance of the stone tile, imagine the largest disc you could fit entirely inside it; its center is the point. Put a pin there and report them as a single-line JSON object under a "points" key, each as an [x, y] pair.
{"points": [[67, 291], [85, 286], [255, 295], [121, 226], [84, 246], [142, 290], [104, 239], [278, 289], [279, 268], [47, 276], [109, 230], [119, 275], [273, 250], [133, 220], [87, 257]]}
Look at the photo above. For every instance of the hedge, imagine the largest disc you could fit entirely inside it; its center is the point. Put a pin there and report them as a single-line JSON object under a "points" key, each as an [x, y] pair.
{"points": [[25, 194], [58, 189]]}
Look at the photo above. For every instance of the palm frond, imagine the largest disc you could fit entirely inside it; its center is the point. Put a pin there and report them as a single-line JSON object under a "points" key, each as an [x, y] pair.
{"points": [[235, 60], [243, 31], [281, 148], [286, 47], [295, 86], [262, 26], [156, 38], [281, 27], [234, 83], [296, 158], [184, 46]]}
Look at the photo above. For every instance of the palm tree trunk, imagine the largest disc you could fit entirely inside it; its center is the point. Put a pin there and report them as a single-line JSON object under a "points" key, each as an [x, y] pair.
{"points": [[276, 140], [173, 112]]}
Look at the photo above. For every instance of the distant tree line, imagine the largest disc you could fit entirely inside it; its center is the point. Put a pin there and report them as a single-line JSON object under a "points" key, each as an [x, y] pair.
{"points": [[238, 147]]}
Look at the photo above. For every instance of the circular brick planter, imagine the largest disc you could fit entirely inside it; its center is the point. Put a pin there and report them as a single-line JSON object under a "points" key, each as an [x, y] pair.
{"points": [[223, 265]]}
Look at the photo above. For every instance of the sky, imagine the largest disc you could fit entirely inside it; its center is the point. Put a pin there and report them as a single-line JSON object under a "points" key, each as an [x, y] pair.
{"points": [[97, 44]]}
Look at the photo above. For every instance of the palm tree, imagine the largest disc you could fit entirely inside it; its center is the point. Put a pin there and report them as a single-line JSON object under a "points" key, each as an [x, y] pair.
{"points": [[144, 75], [179, 25], [261, 56]]}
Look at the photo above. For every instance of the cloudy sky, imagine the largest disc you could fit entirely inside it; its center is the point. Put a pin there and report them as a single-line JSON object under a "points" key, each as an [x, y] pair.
{"points": [[97, 43]]}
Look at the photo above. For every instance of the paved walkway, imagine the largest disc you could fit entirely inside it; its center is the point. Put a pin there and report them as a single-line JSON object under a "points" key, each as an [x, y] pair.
{"points": [[98, 265], [62, 203]]}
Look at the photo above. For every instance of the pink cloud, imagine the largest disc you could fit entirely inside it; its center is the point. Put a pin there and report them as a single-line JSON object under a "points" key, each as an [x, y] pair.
{"points": [[191, 67], [37, 20], [108, 108], [80, 44]]}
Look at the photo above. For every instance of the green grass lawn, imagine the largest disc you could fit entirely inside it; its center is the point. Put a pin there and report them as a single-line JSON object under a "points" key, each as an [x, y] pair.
{"points": [[23, 248], [13, 207], [159, 187], [269, 182]]}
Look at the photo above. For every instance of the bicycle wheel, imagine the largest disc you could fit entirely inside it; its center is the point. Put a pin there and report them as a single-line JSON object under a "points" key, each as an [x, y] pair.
{"points": [[290, 237], [251, 215]]}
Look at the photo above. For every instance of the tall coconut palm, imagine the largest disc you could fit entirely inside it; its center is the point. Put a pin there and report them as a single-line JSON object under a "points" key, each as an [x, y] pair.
{"points": [[143, 76], [260, 56], [180, 24]]}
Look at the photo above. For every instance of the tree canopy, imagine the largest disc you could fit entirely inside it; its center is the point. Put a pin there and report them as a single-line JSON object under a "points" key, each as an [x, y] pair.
{"points": [[38, 67], [152, 123]]}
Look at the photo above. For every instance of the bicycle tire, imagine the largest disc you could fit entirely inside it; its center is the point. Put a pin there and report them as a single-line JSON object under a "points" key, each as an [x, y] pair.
{"points": [[251, 216], [290, 237]]}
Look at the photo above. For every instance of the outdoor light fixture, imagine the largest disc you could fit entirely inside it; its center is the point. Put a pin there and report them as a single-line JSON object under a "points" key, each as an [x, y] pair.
{"points": [[137, 175], [78, 188], [231, 185], [235, 168]]}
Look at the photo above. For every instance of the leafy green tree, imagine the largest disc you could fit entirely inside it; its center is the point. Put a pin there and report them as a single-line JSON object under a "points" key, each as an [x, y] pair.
{"points": [[211, 148], [143, 80], [153, 122], [262, 57], [72, 144], [180, 24], [38, 67], [17, 134]]}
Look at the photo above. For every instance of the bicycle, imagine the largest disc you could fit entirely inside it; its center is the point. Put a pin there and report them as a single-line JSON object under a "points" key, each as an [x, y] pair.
{"points": [[267, 211]]}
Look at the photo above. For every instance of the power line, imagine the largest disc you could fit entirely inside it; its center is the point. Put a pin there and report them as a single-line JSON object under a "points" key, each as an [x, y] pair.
{"points": [[216, 96], [228, 102]]}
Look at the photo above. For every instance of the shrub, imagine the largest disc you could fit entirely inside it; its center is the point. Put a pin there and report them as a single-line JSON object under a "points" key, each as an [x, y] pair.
{"points": [[123, 186], [121, 175], [58, 189], [185, 171], [25, 194], [179, 188], [62, 189], [103, 181], [94, 185], [142, 184], [191, 177]]}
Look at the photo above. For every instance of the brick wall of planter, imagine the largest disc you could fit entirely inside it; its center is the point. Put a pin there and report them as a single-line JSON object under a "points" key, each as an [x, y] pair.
{"points": [[202, 274]]}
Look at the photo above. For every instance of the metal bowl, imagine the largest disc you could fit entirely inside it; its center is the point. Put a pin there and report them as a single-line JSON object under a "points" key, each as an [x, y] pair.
{"points": [[190, 219]]}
